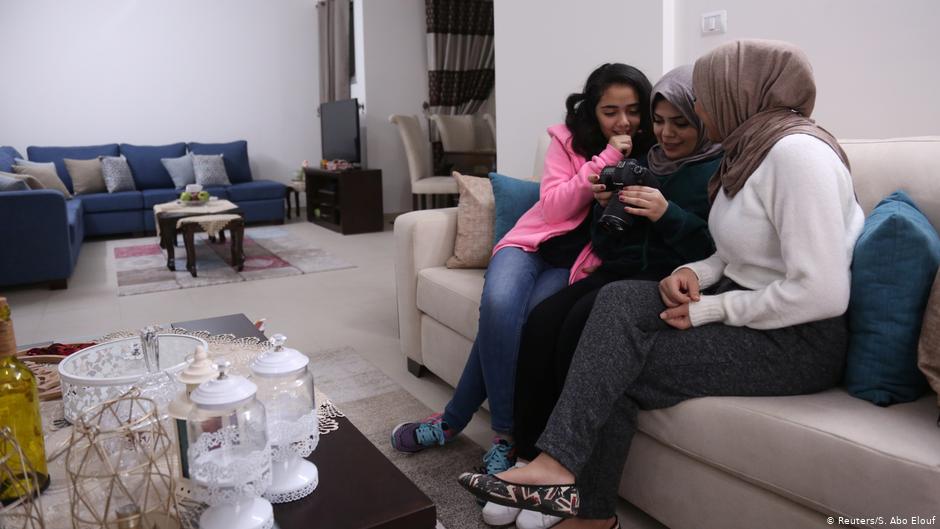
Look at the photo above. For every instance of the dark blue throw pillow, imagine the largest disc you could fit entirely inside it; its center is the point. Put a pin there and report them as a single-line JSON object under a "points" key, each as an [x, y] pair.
{"points": [[893, 267], [234, 154], [513, 197]]}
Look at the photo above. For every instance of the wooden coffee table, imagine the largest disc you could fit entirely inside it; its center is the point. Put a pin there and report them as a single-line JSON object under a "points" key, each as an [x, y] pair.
{"points": [[167, 224], [359, 487]]}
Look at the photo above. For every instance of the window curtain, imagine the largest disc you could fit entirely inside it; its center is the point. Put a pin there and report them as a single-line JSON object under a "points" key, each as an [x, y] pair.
{"points": [[461, 57], [333, 20]]}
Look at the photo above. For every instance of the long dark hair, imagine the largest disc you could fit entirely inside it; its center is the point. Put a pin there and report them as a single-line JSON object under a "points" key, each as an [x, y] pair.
{"points": [[587, 137]]}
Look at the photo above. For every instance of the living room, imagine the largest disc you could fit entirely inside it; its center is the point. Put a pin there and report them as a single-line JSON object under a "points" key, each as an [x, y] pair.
{"points": [[217, 73]]}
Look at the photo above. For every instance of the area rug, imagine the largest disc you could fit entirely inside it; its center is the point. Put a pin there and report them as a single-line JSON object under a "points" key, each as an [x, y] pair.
{"points": [[140, 264], [375, 404]]}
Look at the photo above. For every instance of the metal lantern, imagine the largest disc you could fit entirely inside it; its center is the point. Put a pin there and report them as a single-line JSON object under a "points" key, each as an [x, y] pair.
{"points": [[25, 512], [118, 467], [285, 387], [229, 453]]}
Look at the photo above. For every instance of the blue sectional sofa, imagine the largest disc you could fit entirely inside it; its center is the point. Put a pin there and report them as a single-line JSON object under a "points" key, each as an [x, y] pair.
{"points": [[41, 231]]}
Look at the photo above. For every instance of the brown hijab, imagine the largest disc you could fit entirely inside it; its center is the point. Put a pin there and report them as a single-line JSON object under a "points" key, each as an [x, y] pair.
{"points": [[757, 92]]}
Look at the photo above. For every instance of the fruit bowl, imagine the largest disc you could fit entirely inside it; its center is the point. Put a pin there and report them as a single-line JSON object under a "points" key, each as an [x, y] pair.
{"points": [[193, 202]]}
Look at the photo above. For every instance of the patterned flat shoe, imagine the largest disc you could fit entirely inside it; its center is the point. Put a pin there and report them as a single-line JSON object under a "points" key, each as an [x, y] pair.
{"points": [[557, 500]]}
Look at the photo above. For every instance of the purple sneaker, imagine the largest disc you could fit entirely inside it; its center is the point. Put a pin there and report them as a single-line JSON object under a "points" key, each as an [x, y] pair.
{"points": [[413, 437]]}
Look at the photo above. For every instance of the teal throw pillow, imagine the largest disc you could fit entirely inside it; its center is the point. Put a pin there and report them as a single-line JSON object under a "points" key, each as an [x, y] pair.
{"points": [[894, 264], [513, 197]]}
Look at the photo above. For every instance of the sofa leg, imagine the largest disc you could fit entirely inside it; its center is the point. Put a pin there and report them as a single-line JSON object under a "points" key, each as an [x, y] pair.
{"points": [[59, 284], [416, 369]]}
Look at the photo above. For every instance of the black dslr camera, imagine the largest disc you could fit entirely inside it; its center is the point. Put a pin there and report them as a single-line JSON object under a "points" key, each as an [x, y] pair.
{"points": [[627, 172]]}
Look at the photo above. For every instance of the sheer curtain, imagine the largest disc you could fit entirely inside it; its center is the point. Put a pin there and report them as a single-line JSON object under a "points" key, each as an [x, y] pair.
{"points": [[333, 20]]}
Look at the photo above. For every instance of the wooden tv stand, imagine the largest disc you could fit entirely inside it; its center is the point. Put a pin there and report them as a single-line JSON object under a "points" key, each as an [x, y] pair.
{"points": [[347, 201]]}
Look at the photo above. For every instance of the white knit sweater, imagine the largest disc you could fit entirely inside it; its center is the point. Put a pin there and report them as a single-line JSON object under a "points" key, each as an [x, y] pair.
{"points": [[788, 236]]}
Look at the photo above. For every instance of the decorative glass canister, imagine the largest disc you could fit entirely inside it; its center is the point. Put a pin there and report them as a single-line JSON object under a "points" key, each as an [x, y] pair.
{"points": [[199, 370], [229, 453], [285, 387]]}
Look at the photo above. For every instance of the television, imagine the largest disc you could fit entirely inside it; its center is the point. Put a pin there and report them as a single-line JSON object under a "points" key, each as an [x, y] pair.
{"points": [[339, 130]]}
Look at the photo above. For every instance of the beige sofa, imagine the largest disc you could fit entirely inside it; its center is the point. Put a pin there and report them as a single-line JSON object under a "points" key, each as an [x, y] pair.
{"points": [[726, 462]]}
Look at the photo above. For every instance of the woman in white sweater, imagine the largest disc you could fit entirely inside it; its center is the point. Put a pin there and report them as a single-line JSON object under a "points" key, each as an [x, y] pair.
{"points": [[764, 315]]}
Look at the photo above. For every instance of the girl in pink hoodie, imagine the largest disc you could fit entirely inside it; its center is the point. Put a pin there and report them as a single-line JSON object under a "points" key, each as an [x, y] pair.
{"points": [[549, 245]]}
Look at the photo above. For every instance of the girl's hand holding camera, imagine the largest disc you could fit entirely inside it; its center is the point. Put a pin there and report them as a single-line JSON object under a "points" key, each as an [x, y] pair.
{"points": [[644, 201], [600, 195]]}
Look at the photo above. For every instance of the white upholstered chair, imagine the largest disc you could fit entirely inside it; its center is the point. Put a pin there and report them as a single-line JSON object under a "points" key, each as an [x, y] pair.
{"points": [[424, 184]]}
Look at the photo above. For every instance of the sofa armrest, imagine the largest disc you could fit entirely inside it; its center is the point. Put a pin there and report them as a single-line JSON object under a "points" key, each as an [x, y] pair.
{"points": [[34, 237], [423, 239]]}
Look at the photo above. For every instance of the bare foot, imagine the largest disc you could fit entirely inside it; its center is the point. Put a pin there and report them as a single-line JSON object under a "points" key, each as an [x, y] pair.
{"points": [[580, 523], [543, 470]]}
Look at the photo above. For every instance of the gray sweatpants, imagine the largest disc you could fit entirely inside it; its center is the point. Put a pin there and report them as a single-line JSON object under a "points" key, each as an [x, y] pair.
{"points": [[628, 359]]}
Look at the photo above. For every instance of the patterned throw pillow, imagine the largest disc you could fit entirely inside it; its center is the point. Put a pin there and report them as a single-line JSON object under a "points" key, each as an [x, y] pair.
{"points": [[29, 180], [45, 173], [117, 174], [86, 176], [928, 351], [475, 218], [180, 169], [11, 183], [210, 170]]}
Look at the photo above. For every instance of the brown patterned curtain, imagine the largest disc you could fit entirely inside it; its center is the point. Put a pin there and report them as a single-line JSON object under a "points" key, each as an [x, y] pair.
{"points": [[461, 57]]}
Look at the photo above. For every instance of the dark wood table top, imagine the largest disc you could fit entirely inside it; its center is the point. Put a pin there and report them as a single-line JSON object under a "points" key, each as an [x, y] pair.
{"points": [[359, 487]]}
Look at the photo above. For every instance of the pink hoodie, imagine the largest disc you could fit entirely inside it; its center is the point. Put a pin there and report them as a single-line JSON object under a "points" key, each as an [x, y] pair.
{"points": [[565, 197]]}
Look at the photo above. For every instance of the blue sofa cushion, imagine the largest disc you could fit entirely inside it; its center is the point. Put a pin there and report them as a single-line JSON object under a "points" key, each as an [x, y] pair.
{"points": [[257, 190], [7, 155], [893, 268], [120, 201], [513, 197], [57, 155], [235, 155], [149, 172]]}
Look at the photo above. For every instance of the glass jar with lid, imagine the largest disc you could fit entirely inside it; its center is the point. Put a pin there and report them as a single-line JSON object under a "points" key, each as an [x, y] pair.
{"points": [[229, 453], [285, 387]]}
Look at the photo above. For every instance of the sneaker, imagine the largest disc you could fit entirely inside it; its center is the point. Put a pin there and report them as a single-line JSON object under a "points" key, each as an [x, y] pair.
{"points": [[413, 437], [500, 457], [499, 515], [535, 520]]}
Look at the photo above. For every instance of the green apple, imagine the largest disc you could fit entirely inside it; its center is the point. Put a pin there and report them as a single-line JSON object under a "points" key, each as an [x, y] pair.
{"points": [[186, 196], [203, 196]]}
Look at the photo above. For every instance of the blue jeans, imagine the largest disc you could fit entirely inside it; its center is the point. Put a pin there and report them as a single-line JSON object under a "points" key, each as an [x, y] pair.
{"points": [[515, 282]]}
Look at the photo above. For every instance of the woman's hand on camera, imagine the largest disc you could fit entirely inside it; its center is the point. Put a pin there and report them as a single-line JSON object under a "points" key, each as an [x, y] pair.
{"points": [[602, 197], [677, 317], [680, 288], [644, 202], [622, 142]]}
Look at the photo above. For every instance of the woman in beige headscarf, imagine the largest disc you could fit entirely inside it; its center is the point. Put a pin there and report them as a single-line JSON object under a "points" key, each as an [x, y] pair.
{"points": [[784, 221]]}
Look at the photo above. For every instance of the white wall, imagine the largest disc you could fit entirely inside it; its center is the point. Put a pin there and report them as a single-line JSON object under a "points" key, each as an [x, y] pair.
{"points": [[99, 71], [875, 61], [545, 51], [395, 63]]}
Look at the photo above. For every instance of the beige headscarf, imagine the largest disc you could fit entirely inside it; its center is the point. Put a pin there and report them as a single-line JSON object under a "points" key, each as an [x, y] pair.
{"points": [[757, 92]]}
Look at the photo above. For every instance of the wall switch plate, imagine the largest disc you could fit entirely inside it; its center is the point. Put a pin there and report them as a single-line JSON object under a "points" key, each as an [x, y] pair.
{"points": [[714, 22]]}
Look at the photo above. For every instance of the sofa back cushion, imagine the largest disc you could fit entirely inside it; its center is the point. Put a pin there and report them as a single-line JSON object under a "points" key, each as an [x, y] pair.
{"points": [[145, 164], [893, 268], [235, 155], [57, 155], [879, 167], [7, 157]]}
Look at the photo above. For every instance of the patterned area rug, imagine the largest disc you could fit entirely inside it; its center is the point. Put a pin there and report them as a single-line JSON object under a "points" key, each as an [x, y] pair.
{"points": [[375, 404], [270, 252]]}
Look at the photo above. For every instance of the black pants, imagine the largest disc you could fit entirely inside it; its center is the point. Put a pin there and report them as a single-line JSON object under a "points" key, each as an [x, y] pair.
{"points": [[549, 339], [629, 360]]}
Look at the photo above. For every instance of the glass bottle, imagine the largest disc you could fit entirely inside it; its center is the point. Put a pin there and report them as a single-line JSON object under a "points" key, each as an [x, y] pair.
{"points": [[19, 411]]}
